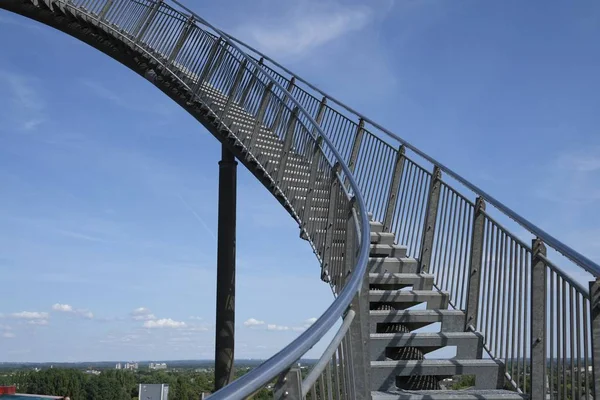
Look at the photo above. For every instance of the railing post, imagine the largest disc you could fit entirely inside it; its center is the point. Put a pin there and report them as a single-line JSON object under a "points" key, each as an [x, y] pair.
{"points": [[287, 145], [234, 87], [359, 328], [310, 191], [260, 114], [105, 9], [289, 386], [430, 219], [146, 21], [355, 148], [251, 82], [538, 321], [319, 116], [394, 187], [331, 215], [277, 119], [207, 66], [475, 265], [595, 325], [185, 33]]}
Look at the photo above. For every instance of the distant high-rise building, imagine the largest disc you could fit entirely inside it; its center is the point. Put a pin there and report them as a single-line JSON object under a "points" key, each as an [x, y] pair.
{"points": [[118, 366], [131, 365], [157, 366], [153, 392]]}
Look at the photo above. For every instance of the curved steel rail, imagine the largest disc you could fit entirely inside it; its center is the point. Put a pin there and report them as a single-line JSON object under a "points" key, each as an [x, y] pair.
{"points": [[280, 362]]}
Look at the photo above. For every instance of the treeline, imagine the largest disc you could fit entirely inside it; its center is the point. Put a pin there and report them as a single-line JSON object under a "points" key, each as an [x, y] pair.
{"points": [[110, 384]]}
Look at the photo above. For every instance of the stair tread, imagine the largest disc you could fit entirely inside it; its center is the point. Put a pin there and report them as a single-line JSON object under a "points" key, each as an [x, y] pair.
{"points": [[416, 312], [386, 336], [469, 394], [436, 363]]}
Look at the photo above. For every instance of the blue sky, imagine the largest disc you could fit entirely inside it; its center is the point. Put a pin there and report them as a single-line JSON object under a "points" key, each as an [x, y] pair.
{"points": [[109, 190]]}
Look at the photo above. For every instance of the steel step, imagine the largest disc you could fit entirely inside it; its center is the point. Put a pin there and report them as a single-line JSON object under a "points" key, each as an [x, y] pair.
{"points": [[382, 265], [387, 281], [469, 345], [402, 299], [376, 226], [470, 394], [388, 250], [451, 320], [382, 238], [489, 374]]}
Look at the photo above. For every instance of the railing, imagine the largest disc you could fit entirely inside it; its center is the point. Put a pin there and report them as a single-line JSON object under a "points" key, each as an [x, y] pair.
{"points": [[235, 92], [534, 316]]}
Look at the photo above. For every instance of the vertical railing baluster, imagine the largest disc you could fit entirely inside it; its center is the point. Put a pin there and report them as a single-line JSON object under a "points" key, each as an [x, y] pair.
{"points": [[595, 328], [139, 31], [289, 385], [207, 66], [538, 321], [475, 265], [330, 227], [430, 220], [310, 191], [394, 187], [287, 145]]}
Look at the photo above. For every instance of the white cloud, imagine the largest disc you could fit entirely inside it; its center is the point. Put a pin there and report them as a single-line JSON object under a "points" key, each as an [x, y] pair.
{"points": [[273, 327], [66, 308], [196, 318], [31, 315], [8, 335], [310, 321], [305, 27], [164, 323], [142, 314], [253, 322], [62, 307], [41, 322]]}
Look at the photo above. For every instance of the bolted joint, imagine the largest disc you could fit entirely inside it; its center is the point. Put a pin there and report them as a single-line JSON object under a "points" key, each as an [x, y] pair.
{"points": [[480, 204], [538, 247]]}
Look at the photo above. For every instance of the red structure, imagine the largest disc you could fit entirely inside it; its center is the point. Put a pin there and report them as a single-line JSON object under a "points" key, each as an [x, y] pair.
{"points": [[8, 390]]}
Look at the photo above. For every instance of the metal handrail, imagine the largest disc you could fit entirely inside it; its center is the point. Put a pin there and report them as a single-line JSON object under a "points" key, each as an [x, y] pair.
{"points": [[263, 374], [280, 362], [550, 240], [321, 364]]}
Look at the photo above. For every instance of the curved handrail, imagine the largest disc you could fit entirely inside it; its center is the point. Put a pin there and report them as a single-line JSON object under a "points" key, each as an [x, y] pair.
{"points": [[559, 246], [280, 362]]}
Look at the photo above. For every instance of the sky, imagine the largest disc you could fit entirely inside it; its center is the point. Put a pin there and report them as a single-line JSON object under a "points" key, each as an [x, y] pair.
{"points": [[109, 190]]}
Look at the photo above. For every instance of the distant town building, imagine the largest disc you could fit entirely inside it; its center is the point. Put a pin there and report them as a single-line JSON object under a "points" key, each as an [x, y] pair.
{"points": [[158, 366], [118, 366], [153, 392], [92, 372], [131, 365]]}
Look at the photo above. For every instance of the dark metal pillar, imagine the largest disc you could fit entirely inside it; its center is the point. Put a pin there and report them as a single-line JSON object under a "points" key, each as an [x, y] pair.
{"points": [[225, 327]]}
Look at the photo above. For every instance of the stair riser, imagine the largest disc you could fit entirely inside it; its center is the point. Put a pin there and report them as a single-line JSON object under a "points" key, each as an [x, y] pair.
{"points": [[402, 300], [385, 250], [487, 376], [466, 348], [392, 265], [382, 238], [450, 322]]}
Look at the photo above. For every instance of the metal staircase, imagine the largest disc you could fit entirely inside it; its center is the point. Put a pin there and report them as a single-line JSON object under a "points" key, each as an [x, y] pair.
{"points": [[521, 325]]}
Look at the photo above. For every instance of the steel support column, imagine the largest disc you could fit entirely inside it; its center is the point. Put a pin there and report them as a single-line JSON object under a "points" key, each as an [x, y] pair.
{"points": [[595, 325], [225, 324], [538, 321]]}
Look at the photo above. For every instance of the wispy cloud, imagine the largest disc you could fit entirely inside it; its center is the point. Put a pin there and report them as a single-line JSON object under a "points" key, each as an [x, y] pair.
{"points": [[30, 315], [253, 322], [164, 323], [274, 327], [66, 308], [28, 107], [142, 314], [305, 27]]}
